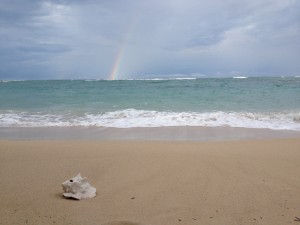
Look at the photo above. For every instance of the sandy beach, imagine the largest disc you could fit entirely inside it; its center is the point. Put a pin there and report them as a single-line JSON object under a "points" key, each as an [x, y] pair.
{"points": [[153, 183]]}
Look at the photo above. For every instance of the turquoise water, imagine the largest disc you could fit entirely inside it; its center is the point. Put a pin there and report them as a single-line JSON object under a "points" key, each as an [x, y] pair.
{"points": [[251, 102]]}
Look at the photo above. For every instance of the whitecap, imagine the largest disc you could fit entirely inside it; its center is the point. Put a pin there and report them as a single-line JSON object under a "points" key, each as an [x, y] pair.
{"points": [[130, 118], [239, 77]]}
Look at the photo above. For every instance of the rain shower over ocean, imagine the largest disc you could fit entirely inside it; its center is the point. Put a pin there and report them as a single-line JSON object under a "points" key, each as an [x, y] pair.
{"points": [[272, 103]]}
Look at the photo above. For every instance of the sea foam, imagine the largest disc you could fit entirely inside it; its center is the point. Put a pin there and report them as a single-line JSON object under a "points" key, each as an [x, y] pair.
{"points": [[130, 118]]}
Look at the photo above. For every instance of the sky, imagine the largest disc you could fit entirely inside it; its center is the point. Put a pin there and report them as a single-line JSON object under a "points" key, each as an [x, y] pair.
{"points": [[122, 39]]}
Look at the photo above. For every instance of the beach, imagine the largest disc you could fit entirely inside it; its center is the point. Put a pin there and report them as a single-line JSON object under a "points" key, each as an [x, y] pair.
{"points": [[219, 151], [152, 182]]}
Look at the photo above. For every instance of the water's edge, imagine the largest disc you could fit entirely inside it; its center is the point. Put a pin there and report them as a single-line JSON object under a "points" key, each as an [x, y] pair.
{"points": [[143, 134]]}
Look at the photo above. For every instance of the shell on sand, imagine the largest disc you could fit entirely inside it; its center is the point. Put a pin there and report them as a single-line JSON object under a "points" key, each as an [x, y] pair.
{"points": [[78, 188]]}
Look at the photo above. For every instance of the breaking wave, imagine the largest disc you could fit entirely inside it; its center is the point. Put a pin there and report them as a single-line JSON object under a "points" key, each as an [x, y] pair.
{"points": [[141, 118]]}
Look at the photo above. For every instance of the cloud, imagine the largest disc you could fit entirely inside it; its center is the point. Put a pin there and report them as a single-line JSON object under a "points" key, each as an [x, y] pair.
{"points": [[84, 39]]}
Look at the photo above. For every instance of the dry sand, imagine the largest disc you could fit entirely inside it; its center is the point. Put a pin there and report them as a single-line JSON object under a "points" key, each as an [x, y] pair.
{"points": [[154, 183]]}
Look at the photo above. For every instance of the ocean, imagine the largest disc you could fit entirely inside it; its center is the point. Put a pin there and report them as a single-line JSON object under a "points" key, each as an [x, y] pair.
{"points": [[265, 102]]}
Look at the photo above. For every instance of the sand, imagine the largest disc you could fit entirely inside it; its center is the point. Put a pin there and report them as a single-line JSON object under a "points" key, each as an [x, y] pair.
{"points": [[154, 183], [186, 133]]}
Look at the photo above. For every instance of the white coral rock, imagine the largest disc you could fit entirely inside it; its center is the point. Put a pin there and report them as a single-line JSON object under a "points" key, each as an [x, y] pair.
{"points": [[78, 188]]}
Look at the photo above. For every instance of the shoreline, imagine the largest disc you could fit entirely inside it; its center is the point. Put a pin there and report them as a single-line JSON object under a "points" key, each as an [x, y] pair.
{"points": [[184, 133], [152, 183]]}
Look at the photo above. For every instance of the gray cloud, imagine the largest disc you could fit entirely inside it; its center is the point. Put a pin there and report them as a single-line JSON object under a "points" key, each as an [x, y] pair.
{"points": [[83, 39], [44, 48]]}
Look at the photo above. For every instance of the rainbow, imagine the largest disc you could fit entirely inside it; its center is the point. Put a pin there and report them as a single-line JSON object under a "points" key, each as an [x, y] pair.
{"points": [[118, 60], [116, 66]]}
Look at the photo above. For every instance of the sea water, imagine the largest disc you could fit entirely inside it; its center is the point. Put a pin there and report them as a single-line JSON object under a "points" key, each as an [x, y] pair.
{"points": [[272, 103]]}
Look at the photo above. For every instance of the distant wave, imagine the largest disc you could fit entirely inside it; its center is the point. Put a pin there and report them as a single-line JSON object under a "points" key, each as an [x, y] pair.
{"points": [[142, 118], [8, 81], [91, 80], [159, 79], [186, 78], [239, 77]]}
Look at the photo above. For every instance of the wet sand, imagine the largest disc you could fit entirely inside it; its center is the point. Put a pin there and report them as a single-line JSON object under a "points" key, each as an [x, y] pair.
{"points": [[143, 134]]}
